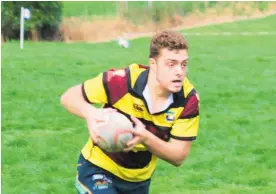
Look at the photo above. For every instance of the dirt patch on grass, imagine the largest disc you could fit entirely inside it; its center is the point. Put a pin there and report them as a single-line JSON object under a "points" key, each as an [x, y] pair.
{"points": [[102, 29]]}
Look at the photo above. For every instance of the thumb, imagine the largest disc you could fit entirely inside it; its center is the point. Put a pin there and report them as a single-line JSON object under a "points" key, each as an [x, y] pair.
{"points": [[136, 121]]}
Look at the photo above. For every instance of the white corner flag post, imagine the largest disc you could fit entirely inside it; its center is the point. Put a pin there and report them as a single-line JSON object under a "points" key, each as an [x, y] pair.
{"points": [[150, 4], [24, 14]]}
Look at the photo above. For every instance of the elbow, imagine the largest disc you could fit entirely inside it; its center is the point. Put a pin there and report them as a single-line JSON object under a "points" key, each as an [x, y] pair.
{"points": [[177, 163], [179, 160], [63, 98], [69, 95]]}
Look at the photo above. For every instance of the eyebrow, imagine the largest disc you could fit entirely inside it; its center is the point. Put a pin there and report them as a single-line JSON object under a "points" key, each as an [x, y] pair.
{"points": [[177, 60]]}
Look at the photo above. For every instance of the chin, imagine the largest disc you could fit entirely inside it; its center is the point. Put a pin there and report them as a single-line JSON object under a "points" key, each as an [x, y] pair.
{"points": [[175, 90]]}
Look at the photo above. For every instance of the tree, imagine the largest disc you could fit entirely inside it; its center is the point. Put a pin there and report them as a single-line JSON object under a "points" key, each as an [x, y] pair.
{"points": [[45, 20]]}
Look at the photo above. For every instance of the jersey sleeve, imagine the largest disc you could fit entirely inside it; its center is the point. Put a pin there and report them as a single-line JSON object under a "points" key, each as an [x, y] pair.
{"points": [[93, 90], [186, 126]]}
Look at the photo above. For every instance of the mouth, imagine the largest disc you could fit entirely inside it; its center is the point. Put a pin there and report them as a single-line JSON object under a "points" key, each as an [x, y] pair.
{"points": [[177, 81]]}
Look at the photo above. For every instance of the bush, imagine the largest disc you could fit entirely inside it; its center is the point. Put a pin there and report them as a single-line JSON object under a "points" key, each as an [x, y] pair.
{"points": [[45, 19]]}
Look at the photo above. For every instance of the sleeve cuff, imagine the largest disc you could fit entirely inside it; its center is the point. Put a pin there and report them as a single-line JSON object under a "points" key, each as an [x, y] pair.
{"points": [[84, 94], [184, 138]]}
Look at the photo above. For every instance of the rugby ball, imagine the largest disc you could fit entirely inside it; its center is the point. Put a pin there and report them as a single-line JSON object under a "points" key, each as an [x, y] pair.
{"points": [[113, 133]]}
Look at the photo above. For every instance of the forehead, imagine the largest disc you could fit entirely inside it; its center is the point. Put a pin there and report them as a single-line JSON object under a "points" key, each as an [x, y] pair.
{"points": [[179, 55]]}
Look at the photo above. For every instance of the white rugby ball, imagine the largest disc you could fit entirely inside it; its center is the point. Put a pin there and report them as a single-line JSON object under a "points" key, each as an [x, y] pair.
{"points": [[113, 132]]}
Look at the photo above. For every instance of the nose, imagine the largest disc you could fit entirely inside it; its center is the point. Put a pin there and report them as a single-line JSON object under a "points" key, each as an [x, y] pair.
{"points": [[179, 70]]}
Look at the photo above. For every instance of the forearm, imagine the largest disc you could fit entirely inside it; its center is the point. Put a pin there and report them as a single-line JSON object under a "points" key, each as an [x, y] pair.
{"points": [[74, 102], [166, 150]]}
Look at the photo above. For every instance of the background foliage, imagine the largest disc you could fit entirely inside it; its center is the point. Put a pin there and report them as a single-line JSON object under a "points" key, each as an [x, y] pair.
{"points": [[45, 18]]}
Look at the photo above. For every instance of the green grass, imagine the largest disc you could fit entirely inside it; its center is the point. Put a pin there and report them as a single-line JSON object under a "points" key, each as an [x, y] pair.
{"points": [[98, 8], [133, 8], [86, 8], [235, 76], [262, 25]]}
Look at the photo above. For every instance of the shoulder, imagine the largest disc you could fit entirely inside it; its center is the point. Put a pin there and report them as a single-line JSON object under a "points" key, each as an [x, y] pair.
{"points": [[188, 88], [190, 100], [123, 74], [115, 75], [191, 108], [117, 82], [137, 67]]}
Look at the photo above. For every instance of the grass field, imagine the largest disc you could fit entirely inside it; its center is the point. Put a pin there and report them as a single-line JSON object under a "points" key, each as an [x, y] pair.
{"points": [[235, 75], [98, 8], [71, 8], [110, 8]]}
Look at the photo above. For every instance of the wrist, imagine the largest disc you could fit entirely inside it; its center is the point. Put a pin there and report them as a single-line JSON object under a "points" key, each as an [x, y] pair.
{"points": [[147, 137]]}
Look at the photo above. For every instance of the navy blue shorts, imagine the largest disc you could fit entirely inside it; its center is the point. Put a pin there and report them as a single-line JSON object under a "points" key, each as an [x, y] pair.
{"points": [[92, 179]]}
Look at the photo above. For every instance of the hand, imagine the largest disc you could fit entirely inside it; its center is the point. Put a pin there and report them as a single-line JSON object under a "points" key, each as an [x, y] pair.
{"points": [[140, 134], [93, 118]]}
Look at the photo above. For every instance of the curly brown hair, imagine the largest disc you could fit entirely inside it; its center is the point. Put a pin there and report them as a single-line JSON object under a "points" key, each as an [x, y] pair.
{"points": [[167, 39]]}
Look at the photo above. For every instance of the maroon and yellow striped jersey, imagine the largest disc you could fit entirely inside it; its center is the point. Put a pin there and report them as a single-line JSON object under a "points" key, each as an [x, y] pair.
{"points": [[122, 89]]}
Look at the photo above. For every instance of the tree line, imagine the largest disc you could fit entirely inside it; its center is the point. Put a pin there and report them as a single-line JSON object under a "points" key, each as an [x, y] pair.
{"points": [[43, 25]]}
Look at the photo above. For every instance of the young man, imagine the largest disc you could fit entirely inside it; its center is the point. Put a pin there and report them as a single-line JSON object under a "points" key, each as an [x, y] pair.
{"points": [[162, 104]]}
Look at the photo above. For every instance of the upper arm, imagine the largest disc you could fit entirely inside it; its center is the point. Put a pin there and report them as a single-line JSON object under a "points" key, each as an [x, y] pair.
{"points": [[185, 128], [93, 90]]}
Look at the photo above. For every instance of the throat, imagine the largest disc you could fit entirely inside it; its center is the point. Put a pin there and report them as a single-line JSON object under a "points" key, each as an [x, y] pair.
{"points": [[157, 102]]}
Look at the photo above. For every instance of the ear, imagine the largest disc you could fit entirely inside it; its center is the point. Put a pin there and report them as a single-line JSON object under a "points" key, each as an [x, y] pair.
{"points": [[152, 61]]}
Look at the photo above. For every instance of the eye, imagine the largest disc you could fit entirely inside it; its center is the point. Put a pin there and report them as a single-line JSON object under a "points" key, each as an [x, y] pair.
{"points": [[170, 64], [184, 64]]}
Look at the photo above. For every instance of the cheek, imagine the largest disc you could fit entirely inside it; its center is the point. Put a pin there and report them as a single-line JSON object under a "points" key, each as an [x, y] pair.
{"points": [[185, 72], [163, 76]]}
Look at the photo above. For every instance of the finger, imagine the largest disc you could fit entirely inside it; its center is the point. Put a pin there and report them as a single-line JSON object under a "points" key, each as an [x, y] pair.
{"points": [[92, 132], [133, 131], [93, 136], [133, 141], [136, 121], [101, 124], [106, 110], [128, 149], [101, 118]]}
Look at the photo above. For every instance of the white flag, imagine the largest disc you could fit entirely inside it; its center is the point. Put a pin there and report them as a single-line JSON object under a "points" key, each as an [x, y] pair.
{"points": [[27, 14]]}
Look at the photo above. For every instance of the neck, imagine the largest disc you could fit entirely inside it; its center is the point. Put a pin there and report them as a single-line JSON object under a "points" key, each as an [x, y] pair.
{"points": [[154, 87]]}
